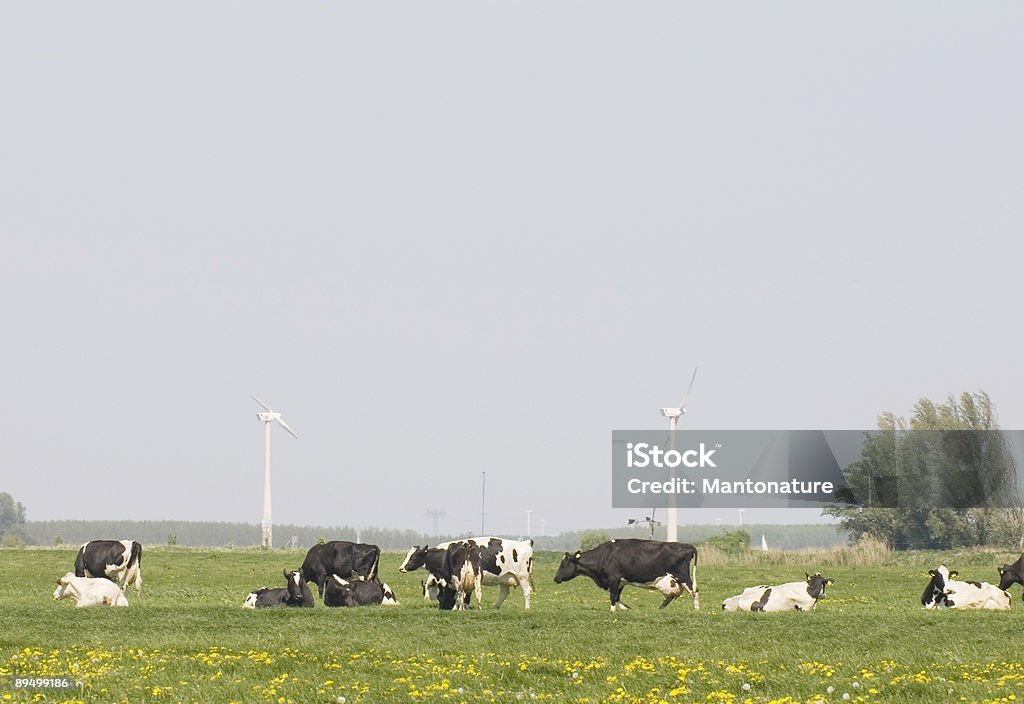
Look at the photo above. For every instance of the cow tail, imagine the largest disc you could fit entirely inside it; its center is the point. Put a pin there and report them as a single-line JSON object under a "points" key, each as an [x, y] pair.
{"points": [[373, 570], [696, 589]]}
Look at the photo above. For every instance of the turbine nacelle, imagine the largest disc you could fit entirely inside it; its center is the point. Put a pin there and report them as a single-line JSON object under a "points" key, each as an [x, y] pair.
{"points": [[673, 412], [267, 417]]}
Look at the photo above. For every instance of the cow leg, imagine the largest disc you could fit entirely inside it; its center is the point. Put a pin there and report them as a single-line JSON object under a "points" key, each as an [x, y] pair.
{"points": [[527, 588], [615, 591], [668, 600]]}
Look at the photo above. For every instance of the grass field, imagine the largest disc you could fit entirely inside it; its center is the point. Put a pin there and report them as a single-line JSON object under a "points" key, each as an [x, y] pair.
{"points": [[186, 639]]}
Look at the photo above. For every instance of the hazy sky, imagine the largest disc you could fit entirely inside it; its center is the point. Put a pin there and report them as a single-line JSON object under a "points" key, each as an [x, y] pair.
{"points": [[448, 238]]}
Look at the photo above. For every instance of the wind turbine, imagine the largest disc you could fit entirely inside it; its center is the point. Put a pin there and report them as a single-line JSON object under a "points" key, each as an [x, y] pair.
{"points": [[674, 414], [268, 418]]}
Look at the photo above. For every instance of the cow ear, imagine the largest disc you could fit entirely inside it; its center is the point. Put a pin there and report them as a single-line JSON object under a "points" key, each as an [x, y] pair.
{"points": [[1002, 569], [932, 573], [807, 576], [830, 581], [577, 555], [285, 573], [954, 573]]}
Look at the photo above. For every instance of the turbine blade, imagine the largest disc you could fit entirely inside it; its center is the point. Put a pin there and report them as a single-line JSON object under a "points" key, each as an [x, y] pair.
{"points": [[688, 389], [284, 425], [265, 406]]}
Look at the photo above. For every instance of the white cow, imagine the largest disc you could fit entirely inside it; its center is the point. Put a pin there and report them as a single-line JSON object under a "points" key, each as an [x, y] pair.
{"points": [[503, 563], [791, 596], [90, 591], [944, 591]]}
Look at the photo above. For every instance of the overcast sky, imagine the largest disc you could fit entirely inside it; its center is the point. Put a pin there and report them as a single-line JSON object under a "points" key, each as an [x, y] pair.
{"points": [[449, 238]]}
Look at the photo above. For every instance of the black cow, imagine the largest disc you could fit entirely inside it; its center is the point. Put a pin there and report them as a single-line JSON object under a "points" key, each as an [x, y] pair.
{"points": [[295, 594], [342, 592], [1011, 574], [455, 569], [340, 557], [120, 561], [643, 563]]}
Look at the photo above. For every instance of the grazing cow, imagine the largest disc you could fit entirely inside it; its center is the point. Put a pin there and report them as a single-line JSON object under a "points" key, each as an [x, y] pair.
{"points": [[791, 596], [455, 568], [651, 564], [505, 563], [340, 557], [119, 561], [90, 591], [944, 591], [342, 592], [295, 594], [1011, 574]]}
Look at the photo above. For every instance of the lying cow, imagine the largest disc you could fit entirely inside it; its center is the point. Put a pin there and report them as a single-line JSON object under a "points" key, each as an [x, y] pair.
{"points": [[945, 591], [651, 564], [791, 596], [295, 594], [503, 563], [1011, 574], [90, 591], [343, 592], [118, 560]]}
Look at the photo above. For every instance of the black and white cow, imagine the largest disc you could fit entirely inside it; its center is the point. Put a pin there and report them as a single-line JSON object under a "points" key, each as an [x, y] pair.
{"points": [[342, 558], [454, 569], [945, 591], [295, 594], [651, 564], [791, 596], [120, 561], [1011, 574], [343, 592], [503, 563]]}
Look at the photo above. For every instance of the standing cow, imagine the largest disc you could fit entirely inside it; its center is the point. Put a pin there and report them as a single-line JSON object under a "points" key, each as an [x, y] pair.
{"points": [[651, 564], [503, 563], [454, 570], [120, 561], [342, 558], [1011, 574]]}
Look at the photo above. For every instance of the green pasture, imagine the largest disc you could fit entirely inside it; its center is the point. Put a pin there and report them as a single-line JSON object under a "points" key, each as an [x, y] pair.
{"points": [[186, 639]]}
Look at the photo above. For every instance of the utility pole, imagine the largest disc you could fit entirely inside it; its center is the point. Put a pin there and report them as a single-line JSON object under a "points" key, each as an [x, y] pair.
{"points": [[529, 532], [483, 499], [436, 516]]}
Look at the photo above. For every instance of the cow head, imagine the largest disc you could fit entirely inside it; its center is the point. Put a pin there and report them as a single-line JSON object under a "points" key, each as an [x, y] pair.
{"points": [[569, 567], [1008, 576], [936, 593], [298, 591], [816, 585], [414, 559], [62, 586]]}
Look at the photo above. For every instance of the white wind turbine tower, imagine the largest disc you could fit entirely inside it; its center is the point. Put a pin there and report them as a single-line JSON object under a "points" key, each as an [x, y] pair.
{"points": [[268, 418], [673, 414]]}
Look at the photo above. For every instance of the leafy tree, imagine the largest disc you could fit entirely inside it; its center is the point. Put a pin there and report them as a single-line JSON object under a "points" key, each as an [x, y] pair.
{"points": [[736, 541], [12, 516], [590, 539], [944, 478]]}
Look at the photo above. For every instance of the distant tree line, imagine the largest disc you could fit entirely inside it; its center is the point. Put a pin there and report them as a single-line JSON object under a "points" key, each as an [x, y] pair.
{"points": [[211, 534]]}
